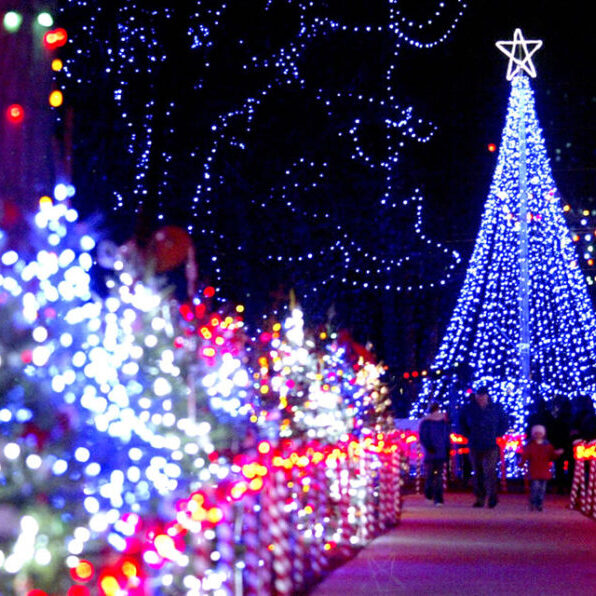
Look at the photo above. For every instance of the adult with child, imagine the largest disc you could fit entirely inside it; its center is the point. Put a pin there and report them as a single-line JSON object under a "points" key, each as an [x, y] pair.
{"points": [[482, 421], [434, 438]]}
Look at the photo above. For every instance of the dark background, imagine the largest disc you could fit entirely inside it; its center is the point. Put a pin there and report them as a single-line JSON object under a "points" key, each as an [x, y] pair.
{"points": [[459, 86]]}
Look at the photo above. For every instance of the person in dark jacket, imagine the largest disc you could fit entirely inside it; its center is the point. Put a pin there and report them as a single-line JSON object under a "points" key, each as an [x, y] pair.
{"points": [[434, 437], [482, 421], [558, 430]]}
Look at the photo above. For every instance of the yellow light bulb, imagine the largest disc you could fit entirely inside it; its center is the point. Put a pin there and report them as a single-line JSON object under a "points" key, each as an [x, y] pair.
{"points": [[56, 98]]}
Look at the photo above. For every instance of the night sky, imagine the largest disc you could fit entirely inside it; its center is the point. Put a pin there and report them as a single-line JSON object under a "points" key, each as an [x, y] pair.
{"points": [[459, 86]]}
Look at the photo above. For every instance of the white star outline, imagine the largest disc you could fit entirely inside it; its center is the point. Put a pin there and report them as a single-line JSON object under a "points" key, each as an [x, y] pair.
{"points": [[523, 62]]}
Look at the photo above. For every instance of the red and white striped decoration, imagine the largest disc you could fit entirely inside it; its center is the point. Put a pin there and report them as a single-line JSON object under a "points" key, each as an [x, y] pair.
{"points": [[225, 547], [250, 535], [419, 458], [265, 570], [296, 531], [575, 497], [371, 510], [381, 509], [389, 487], [591, 492], [346, 529], [361, 501], [404, 466], [394, 468], [201, 550], [280, 534], [388, 465], [319, 554]]}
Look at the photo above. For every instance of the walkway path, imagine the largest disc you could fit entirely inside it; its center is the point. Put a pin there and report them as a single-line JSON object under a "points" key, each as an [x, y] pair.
{"points": [[456, 549]]}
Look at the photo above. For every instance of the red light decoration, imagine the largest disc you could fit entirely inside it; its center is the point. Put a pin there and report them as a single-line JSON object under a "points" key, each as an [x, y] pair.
{"points": [[186, 312], [27, 356], [55, 38], [492, 147], [15, 113], [78, 591], [209, 292], [168, 248]]}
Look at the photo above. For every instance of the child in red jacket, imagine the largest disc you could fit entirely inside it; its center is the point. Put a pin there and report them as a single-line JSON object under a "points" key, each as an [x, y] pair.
{"points": [[539, 454]]}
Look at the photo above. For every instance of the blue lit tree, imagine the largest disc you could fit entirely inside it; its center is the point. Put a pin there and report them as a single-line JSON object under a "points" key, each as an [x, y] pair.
{"points": [[523, 324]]}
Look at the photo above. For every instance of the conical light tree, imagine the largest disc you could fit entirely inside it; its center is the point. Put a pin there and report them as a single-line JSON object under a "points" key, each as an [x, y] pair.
{"points": [[523, 324]]}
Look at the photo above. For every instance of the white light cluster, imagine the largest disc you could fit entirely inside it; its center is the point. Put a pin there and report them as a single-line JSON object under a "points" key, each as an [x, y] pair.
{"points": [[357, 267], [227, 387], [353, 265], [135, 47]]}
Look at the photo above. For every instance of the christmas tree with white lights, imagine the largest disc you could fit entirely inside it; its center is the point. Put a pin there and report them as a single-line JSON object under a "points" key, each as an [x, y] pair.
{"points": [[48, 447], [523, 324]]}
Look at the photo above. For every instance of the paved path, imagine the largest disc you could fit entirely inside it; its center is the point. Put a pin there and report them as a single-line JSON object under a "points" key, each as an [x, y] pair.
{"points": [[475, 552]]}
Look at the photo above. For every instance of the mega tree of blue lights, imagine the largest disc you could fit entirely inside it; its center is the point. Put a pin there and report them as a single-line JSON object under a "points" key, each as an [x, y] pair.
{"points": [[523, 324]]}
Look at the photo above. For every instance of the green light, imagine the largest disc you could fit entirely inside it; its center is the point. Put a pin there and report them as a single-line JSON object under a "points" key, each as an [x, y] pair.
{"points": [[12, 21], [45, 19]]}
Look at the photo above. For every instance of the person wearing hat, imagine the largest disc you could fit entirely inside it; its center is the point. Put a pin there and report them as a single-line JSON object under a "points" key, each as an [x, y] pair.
{"points": [[539, 454], [482, 421], [434, 437]]}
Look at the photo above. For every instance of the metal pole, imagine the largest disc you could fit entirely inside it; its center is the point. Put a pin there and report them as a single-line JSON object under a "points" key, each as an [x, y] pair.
{"points": [[524, 281]]}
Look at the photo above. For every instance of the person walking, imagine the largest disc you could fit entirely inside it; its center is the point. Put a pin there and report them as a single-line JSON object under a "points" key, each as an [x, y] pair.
{"points": [[558, 430], [434, 438], [482, 421], [539, 454]]}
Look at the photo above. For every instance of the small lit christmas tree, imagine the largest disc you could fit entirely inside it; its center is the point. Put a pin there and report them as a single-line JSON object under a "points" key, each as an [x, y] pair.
{"points": [[523, 324], [214, 342], [296, 396]]}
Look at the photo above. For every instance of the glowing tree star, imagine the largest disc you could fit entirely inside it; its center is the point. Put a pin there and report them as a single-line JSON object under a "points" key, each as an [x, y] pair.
{"points": [[523, 324]]}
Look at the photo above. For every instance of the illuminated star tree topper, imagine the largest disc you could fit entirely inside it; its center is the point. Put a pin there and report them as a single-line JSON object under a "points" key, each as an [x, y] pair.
{"points": [[520, 52]]}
